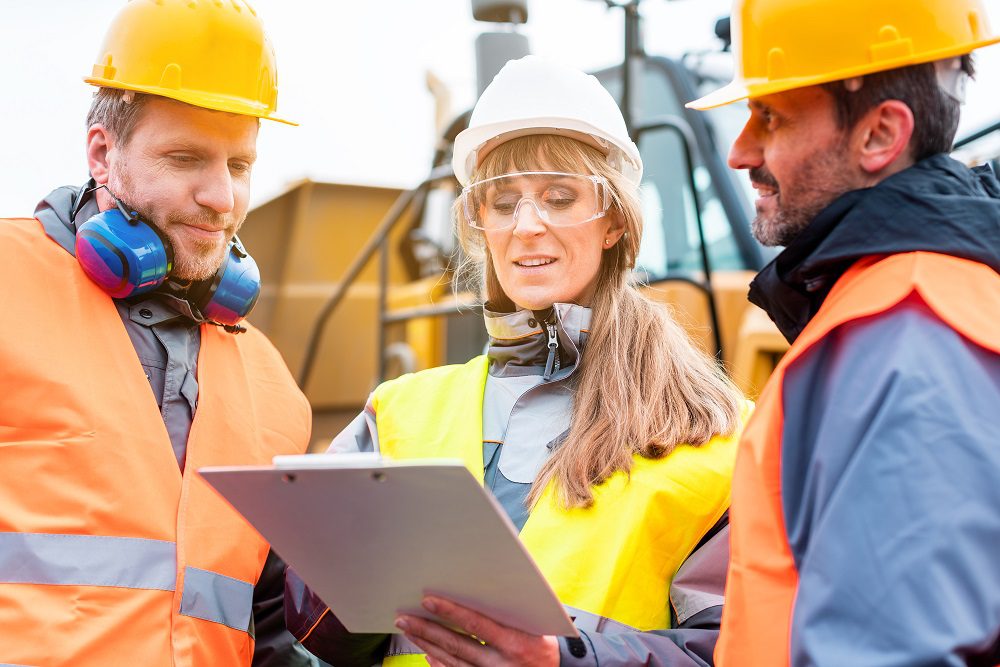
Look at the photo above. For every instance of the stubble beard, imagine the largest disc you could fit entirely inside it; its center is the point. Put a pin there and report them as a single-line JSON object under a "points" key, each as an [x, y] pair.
{"points": [[818, 183], [194, 258]]}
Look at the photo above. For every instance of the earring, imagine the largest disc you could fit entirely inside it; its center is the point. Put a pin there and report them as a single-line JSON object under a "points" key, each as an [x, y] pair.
{"points": [[607, 241]]}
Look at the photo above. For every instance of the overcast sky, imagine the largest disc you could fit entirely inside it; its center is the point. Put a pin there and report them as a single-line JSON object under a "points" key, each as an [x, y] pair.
{"points": [[351, 72]]}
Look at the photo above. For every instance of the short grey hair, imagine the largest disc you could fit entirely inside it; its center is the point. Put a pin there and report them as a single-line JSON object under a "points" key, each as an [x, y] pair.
{"points": [[117, 110]]}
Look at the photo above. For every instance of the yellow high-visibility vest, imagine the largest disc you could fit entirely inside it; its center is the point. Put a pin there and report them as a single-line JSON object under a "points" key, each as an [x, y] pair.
{"points": [[613, 560]]}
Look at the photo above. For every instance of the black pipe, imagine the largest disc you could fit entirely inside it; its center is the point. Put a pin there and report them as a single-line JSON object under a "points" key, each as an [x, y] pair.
{"points": [[683, 130], [384, 228], [965, 141]]}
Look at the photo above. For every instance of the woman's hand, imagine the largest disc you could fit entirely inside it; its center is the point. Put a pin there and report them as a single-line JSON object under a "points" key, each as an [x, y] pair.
{"points": [[492, 644]]}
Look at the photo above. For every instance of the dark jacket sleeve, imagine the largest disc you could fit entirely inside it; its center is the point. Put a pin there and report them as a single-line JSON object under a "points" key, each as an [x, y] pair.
{"points": [[891, 493], [696, 594], [275, 646], [312, 623]]}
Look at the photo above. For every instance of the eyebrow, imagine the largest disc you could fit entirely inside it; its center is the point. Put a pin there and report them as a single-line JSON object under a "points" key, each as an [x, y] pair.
{"points": [[179, 144]]}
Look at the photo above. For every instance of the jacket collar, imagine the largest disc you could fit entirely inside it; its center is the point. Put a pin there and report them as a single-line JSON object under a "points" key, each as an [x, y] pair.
{"points": [[519, 341], [937, 205], [61, 208]]}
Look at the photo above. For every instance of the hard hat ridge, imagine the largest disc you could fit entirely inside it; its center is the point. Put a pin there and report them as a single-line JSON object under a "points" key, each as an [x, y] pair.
{"points": [[533, 95], [781, 45]]}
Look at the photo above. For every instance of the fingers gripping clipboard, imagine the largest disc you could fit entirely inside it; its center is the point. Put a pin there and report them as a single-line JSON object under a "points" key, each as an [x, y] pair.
{"points": [[371, 537]]}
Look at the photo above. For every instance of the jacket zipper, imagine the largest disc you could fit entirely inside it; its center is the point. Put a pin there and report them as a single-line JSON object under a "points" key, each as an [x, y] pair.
{"points": [[552, 363]]}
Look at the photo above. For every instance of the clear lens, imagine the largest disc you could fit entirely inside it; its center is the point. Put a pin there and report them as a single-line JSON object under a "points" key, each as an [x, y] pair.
{"points": [[558, 199]]}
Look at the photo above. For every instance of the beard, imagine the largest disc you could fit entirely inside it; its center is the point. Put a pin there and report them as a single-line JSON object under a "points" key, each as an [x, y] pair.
{"points": [[194, 258], [815, 185]]}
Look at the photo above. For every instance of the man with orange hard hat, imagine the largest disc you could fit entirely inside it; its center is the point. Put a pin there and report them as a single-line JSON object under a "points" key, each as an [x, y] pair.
{"points": [[866, 503], [125, 367]]}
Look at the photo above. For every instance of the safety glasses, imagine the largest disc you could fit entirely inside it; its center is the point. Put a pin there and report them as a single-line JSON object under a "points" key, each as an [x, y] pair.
{"points": [[556, 198]]}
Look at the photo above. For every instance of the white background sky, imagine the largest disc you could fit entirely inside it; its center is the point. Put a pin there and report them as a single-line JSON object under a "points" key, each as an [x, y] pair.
{"points": [[352, 72]]}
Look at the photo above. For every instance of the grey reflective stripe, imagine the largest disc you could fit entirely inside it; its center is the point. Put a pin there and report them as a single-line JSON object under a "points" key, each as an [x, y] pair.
{"points": [[11, 664], [400, 645], [87, 560], [593, 623], [701, 580], [218, 598]]}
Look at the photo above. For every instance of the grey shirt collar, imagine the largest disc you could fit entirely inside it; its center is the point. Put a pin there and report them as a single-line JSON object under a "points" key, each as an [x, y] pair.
{"points": [[519, 340]]}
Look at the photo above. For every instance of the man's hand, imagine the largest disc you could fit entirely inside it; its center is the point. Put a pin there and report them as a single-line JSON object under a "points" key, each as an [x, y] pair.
{"points": [[490, 644]]}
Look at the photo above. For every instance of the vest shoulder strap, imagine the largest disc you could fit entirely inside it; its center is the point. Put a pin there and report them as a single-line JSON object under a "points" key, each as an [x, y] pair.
{"points": [[436, 413], [963, 293]]}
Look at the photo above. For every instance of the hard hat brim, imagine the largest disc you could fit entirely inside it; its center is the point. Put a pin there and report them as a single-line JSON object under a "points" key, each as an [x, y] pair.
{"points": [[741, 89], [469, 142], [195, 98], [731, 92]]}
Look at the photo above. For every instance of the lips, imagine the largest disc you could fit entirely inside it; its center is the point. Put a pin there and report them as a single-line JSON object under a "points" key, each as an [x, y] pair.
{"points": [[200, 232], [531, 262], [765, 192], [763, 182]]}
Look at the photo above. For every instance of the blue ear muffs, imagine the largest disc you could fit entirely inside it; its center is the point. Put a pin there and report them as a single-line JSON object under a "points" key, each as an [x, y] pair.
{"points": [[123, 254], [229, 295], [126, 256]]}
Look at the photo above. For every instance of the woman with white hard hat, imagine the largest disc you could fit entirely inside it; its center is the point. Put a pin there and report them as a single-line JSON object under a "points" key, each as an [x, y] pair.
{"points": [[606, 436]]}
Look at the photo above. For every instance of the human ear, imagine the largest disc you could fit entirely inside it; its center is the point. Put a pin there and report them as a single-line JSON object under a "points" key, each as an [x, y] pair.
{"points": [[615, 229], [99, 145], [884, 137]]}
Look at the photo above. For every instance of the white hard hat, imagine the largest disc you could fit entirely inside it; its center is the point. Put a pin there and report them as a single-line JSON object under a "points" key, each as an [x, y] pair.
{"points": [[533, 95]]}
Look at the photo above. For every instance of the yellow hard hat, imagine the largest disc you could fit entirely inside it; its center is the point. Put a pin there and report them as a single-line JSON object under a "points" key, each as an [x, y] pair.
{"points": [[208, 53], [784, 44]]}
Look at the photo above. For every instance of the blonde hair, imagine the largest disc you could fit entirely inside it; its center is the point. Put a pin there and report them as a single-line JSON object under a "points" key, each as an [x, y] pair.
{"points": [[642, 387]]}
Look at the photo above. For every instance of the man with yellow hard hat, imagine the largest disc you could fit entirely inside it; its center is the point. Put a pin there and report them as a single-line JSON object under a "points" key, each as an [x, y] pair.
{"points": [[866, 502], [125, 366]]}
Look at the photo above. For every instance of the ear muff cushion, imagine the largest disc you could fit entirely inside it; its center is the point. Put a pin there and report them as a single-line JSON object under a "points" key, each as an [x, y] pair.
{"points": [[124, 258]]}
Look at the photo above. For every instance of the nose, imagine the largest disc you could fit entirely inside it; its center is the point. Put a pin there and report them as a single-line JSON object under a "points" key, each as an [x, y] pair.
{"points": [[528, 219], [746, 152], [215, 189]]}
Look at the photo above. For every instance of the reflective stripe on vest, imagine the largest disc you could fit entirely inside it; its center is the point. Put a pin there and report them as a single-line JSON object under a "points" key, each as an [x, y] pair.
{"points": [[123, 562], [217, 598], [90, 482], [646, 522], [762, 582], [87, 560]]}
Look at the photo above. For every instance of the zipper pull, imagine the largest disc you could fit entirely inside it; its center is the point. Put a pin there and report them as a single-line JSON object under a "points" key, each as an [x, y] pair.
{"points": [[552, 363]]}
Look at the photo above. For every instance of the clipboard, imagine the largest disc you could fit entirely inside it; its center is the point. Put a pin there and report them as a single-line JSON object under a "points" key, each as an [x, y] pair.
{"points": [[372, 536]]}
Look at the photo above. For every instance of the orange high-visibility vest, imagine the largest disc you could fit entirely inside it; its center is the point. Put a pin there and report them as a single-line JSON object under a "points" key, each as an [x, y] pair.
{"points": [[108, 554], [762, 580]]}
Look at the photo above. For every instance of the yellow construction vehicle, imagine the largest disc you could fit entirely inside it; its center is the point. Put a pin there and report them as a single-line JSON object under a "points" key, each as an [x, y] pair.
{"points": [[358, 280]]}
